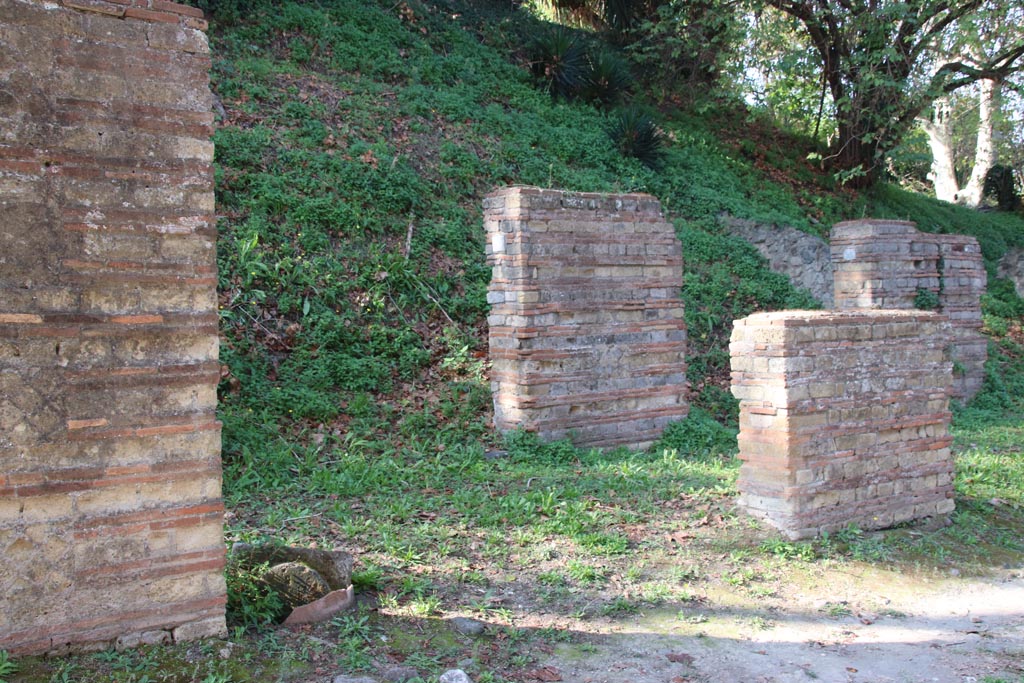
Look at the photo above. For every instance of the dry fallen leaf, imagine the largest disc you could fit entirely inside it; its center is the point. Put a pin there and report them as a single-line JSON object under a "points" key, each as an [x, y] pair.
{"points": [[679, 658], [545, 673]]}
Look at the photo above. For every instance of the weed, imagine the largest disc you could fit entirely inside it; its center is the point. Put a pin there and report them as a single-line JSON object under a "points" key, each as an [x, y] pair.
{"points": [[251, 603], [788, 550], [837, 610], [926, 300], [551, 579], [426, 606], [584, 573], [620, 606], [370, 577], [741, 577], [7, 666]]}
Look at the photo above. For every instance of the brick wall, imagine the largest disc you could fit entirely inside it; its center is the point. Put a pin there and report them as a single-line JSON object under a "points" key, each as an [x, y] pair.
{"points": [[110, 503], [587, 338], [843, 418], [883, 264]]}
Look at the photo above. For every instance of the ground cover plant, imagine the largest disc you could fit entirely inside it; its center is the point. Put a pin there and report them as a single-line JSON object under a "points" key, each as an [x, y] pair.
{"points": [[356, 143]]}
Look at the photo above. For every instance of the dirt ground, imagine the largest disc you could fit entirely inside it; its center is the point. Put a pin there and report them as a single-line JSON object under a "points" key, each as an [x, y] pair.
{"points": [[858, 626]]}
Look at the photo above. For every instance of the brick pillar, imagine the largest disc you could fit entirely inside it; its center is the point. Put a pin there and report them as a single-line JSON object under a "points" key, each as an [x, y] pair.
{"points": [[110, 501], [884, 264], [587, 337], [881, 264], [843, 418]]}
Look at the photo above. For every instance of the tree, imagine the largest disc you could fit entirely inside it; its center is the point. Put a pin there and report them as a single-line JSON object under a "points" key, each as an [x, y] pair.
{"points": [[875, 57], [680, 45], [994, 26]]}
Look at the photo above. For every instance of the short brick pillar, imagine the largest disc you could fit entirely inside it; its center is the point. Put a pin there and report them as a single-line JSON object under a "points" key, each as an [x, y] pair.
{"points": [[884, 264], [844, 418], [110, 498], [587, 337]]}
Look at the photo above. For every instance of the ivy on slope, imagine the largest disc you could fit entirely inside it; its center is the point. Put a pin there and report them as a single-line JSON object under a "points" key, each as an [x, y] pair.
{"points": [[358, 141]]}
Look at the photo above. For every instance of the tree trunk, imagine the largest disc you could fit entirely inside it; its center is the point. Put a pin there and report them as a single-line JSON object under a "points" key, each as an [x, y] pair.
{"points": [[940, 140], [985, 151], [854, 157]]}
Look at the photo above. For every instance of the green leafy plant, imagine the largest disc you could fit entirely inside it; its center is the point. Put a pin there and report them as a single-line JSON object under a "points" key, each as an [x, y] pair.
{"points": [[559, 61], [926, 300], [607, 77], [251, 603], [635, 134], [698, 434], [7, 666]]}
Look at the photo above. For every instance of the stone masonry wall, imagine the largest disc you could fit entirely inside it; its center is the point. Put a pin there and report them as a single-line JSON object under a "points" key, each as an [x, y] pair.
{"points": [[844, 418], [1011, 267], [883, 264], [803, 258], [110, 502], [587, 338]]}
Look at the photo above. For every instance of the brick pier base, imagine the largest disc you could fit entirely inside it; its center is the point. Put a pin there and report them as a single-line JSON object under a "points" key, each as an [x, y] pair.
{"points": [[844, 418]]}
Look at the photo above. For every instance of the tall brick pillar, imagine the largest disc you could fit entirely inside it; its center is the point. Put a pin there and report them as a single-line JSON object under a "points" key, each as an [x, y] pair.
{"points": [[110, 501], [587, 336]]}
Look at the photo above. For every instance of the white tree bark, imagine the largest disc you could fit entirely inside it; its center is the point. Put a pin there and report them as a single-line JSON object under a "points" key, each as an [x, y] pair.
{"points": [[985, 150], [939, 128]]}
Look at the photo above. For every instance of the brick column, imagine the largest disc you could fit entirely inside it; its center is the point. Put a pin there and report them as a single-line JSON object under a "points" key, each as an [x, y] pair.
{"points": [[110, 501], [843, 418], [884, 264], [587, 338]]}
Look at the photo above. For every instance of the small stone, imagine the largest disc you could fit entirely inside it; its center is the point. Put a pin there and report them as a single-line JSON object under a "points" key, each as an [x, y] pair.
{"points": [[454, 676], [976, 620], [401, 674], [495, 455], [954, 572], [353, 679], [467, 626]]}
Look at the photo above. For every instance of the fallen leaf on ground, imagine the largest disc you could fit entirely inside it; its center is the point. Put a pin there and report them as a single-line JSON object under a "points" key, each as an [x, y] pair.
{"points": [[545, 673], [679, 658]]}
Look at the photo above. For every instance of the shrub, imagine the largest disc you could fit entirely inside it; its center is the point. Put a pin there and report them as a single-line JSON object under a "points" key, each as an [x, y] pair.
{"points": [[607, 77], [635, 134], [559, 61]]}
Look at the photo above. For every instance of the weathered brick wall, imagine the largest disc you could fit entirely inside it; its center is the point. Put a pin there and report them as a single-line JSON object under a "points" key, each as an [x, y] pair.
{"points": [[843, 418], [587, 337], [110, 503], [883, 264]]}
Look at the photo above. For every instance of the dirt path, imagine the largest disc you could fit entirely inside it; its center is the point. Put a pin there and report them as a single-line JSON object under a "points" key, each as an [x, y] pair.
{"points": [[871, 627]]}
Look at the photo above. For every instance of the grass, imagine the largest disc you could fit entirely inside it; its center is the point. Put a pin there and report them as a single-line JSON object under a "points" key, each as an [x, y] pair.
{"points": [[358, 141]]}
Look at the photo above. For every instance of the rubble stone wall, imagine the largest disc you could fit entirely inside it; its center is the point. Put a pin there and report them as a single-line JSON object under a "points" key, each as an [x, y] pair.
{"points": [[1011, 267], [110, 500], [844, 418], [880, 264], [587, 337], [803, 258]]}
